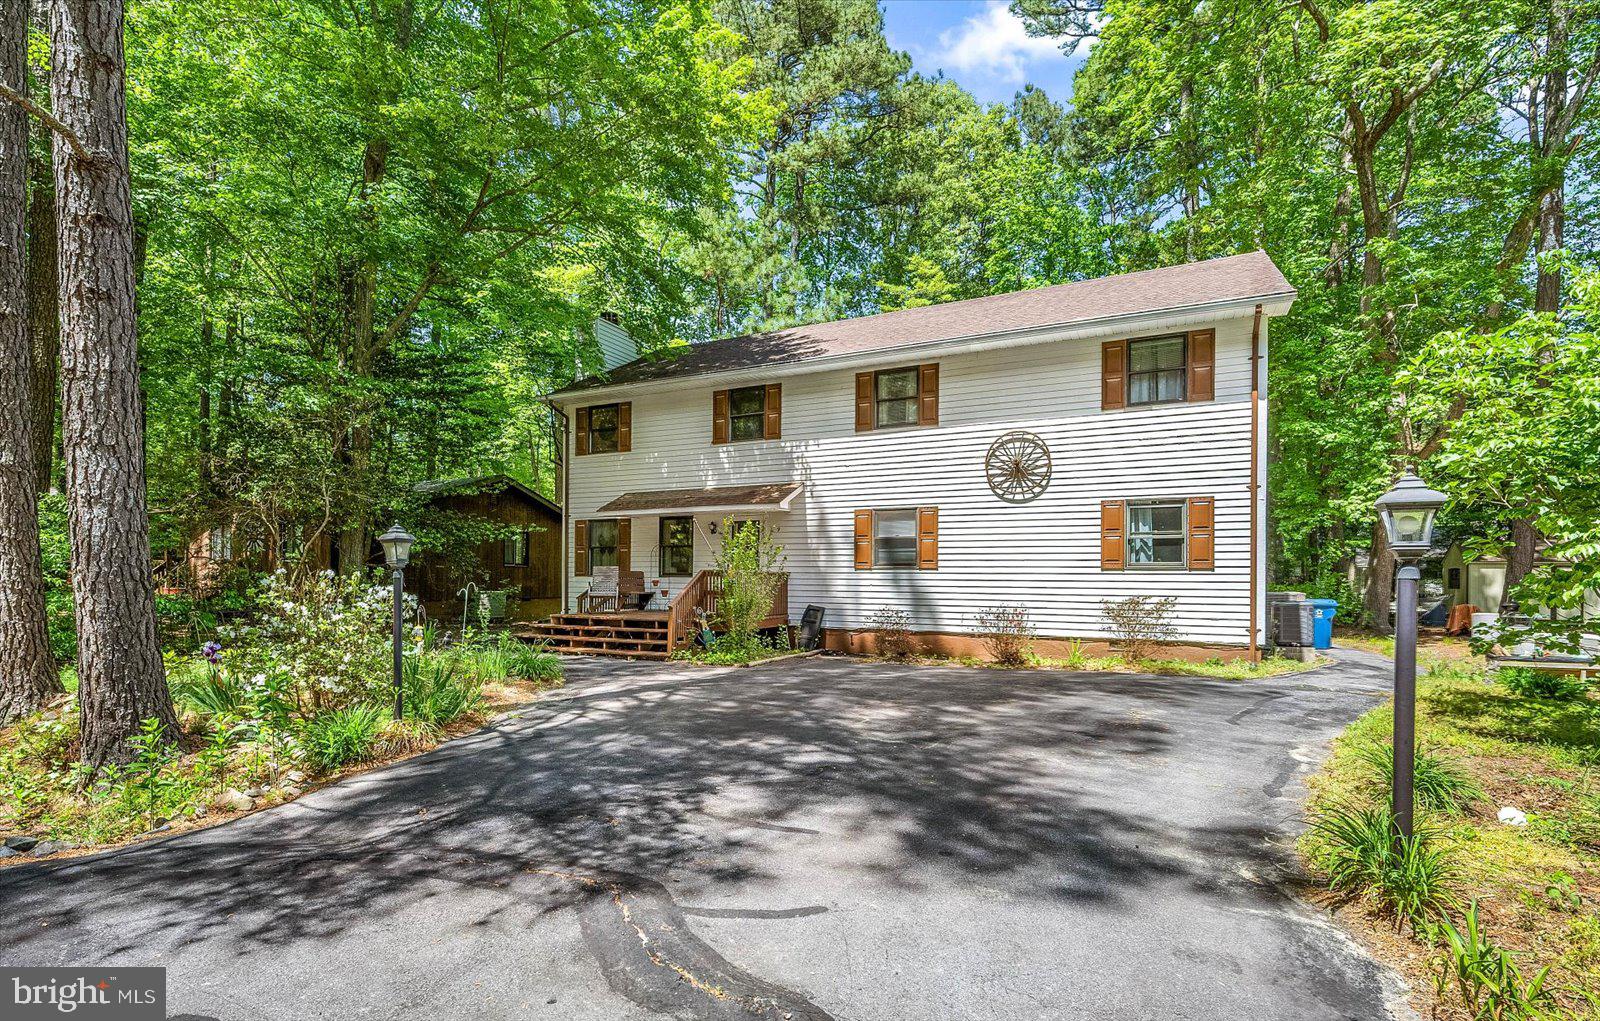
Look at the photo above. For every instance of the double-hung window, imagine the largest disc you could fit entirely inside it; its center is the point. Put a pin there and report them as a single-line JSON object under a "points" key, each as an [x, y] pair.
{"points": [[1157, 533], [602, 544], [895, 393], [603, 428], [894, 538], [1157, 370], [747, 413], [677, 546]]}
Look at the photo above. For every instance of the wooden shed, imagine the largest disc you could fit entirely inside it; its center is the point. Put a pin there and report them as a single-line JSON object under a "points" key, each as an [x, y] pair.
{"points": [[524, 561]]}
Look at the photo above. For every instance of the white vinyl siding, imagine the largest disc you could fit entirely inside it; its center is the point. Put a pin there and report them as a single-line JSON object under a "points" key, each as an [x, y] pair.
{"points": [[1044, 554]]}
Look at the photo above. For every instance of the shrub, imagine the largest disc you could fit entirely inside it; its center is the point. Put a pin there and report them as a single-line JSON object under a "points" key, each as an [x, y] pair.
{"points": [[508, 657], [1007, 632], [893, 628], [1406, 876], [437, 693], [1139, 624], [1485, 976], [341, 735], [327, 637], [1546, 684], [1439, 782], [750, 564]]}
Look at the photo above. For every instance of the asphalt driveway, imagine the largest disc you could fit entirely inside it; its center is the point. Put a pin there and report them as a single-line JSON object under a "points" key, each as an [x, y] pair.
{"points": [[810, 840]]}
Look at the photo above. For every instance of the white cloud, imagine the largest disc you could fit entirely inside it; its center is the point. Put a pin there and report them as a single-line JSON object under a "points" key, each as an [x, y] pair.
{"points": [[994, 42]]}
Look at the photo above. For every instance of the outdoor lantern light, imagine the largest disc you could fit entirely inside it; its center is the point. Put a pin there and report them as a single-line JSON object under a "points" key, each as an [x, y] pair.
{"points": [[397, 546], [1407, 510], [397, 554]]}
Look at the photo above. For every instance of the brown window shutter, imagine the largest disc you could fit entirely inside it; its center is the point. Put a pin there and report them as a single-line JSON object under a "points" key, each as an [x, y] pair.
{"points": [[624, 427], [1113, 375], [864, 406], [863, 540], [580, 548], [1202, 534], [719, 417], [928, 384], [1202, 365], [927, 538], [772, 424], [624, 544], [1113, 540], [581, 441]]}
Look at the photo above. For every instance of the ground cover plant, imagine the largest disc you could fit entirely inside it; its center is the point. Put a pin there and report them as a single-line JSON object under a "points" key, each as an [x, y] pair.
{"points": [[1487, 918], [296, 691]]}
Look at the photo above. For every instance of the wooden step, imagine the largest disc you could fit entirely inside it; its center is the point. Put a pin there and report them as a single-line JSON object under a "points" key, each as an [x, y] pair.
{"points": [[584, 650]]}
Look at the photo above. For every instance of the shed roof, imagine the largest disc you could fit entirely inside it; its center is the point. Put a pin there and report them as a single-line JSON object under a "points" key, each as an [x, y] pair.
{"points": [[435, 488], [764, 497]]}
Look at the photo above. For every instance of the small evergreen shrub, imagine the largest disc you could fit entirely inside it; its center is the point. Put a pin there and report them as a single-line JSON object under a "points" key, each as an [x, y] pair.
{"points": [[342, 735]]}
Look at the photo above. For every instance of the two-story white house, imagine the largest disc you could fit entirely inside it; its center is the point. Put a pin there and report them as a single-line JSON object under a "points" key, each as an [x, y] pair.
{"points": [[1054, 448]]}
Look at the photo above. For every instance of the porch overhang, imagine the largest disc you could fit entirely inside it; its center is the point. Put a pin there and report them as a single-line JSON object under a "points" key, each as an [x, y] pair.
{"points": [[766, 497]]}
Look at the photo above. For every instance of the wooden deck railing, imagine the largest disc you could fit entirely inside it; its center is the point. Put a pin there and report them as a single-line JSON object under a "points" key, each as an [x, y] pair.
{"points": [[702, 598]]}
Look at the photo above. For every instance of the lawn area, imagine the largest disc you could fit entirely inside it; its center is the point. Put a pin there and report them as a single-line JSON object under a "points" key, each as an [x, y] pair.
{"points": [[1536, 886]]}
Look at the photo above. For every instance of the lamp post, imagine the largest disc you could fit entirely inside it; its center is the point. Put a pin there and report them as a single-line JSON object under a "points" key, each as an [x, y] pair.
{"points": [[1407, 510], [397, 554]]}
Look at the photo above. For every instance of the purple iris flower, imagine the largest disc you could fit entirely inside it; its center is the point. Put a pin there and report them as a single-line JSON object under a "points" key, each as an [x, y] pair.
{"points": [[212, 651]]}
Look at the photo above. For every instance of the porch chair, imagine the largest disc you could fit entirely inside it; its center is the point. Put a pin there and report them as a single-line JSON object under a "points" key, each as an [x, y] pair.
{"points": [[611, 590]]}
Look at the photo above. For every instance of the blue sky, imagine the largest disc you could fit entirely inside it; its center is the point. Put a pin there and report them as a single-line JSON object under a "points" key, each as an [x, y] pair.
{"points": [[981, 45]]}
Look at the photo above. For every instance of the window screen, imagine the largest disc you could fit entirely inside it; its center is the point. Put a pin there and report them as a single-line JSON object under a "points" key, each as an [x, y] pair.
{"points": [[747, 409], [602, 544], [677, 546]]}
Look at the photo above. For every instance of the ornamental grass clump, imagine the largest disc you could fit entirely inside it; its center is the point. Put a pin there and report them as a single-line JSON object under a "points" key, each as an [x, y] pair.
{"points": [[1440, 783], [341, 736], [1407, 877]]}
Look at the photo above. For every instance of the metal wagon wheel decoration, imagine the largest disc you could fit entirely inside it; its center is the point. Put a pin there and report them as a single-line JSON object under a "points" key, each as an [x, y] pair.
{"points": [[1018, 467]]}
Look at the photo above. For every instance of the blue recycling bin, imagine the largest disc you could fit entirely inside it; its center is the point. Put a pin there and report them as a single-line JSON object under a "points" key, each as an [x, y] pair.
{"points": [[1322, 613]]}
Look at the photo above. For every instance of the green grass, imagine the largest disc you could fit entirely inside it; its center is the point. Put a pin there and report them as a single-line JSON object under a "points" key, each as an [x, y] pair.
{"points": [[1407, 877], [1540, 755], [1216, 668], [1439, 781]]}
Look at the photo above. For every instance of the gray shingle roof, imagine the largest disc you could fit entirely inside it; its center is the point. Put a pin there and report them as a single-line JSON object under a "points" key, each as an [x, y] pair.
{"points": [[1235, 277]]}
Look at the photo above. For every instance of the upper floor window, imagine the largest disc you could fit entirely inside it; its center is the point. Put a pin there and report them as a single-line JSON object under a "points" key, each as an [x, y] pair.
{"points": [[1157, 370], [895, 393], [603, 423], [603, 429], [514, 550], [747, 413], [1157, 533], [897, 398]]}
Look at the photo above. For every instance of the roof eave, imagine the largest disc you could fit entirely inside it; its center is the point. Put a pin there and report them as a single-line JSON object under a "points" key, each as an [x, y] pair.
{"points": [[1273, 304]]}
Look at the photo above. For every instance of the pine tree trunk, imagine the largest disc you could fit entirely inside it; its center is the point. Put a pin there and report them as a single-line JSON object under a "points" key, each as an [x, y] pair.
{"points": [[120, 677], [28, 676], [44, 323]]}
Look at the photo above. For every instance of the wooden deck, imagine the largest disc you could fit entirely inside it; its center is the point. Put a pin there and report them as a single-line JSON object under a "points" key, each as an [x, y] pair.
{"points": [[645, 634]]}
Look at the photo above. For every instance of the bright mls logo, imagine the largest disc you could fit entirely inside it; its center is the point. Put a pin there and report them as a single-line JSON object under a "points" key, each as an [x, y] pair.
{"points": [[93, 994]]}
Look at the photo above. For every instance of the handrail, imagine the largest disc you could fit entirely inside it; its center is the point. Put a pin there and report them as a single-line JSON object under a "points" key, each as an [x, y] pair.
{"points": [[703, 594], [680, 611]]}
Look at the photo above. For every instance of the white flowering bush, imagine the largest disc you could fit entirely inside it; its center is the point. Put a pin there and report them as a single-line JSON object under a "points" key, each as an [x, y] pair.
{"points": [[321, 645]]}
